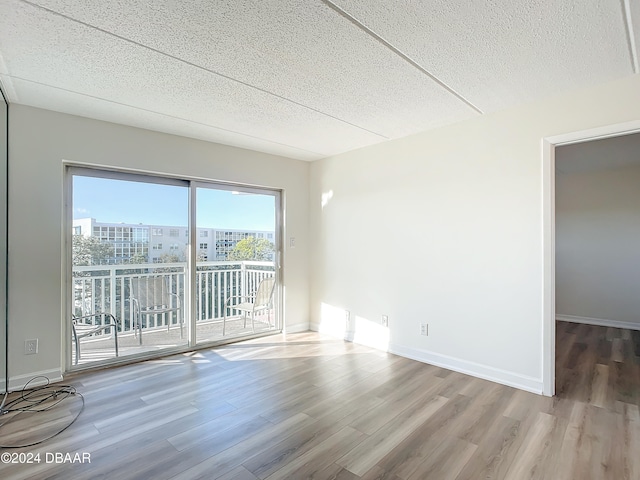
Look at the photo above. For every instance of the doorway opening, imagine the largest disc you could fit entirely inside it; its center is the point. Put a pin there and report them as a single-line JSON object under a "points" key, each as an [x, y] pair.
{"points": [[551, 149]]}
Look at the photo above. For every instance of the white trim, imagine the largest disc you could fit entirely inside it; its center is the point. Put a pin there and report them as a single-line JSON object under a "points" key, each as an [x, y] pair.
{"points": [[504, 377], [549, 269], [297, 328], [191, 280], [596, 133], [631, 38], [549, 239], [66, 267], [279, 233], [345, 334], [478, 370], [601, 322], [19, 382], [315, 327]]}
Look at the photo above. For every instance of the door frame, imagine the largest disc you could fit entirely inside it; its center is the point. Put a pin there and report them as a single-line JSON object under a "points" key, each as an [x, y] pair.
{"points": [[278, 248], [549, 145]]}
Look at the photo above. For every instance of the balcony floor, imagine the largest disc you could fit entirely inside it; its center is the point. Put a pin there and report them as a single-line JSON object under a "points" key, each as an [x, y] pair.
{"points": [[96, 350]]}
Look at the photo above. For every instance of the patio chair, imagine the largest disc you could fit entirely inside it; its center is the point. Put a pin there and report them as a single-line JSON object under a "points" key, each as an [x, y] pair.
{"points": [[151, 296], [82, 329], [262, 300]]}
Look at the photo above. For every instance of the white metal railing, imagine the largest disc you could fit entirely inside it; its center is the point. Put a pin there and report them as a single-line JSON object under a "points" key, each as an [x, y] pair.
{"points": [[107, 288]]}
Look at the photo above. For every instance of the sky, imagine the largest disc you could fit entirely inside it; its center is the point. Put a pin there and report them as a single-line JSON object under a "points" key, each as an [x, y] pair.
{"points": [[116, 201]]}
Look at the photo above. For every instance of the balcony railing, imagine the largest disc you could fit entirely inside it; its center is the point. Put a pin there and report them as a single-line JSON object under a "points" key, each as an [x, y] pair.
{"points": [[107, 288]]}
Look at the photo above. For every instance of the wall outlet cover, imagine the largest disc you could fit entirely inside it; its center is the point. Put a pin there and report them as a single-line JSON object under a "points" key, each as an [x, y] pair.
{"points": [[31, 346]]}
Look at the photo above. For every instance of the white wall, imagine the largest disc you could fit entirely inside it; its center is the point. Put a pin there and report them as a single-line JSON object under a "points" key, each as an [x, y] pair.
{"points": [[445, 227], [598, 245], [39, 142]]}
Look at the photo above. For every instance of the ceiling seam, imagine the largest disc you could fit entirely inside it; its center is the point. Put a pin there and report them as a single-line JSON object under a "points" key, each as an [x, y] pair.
{"points": [[399, 53], [200, 67], [166, 115], [626, 13], [9, 91]]}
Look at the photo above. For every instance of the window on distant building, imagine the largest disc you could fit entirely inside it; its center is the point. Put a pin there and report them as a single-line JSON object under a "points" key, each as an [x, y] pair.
{"points": [[157, 246], [174, 232], [77, 230], [204, 233], [204, 246], [156, 231], [140, 234]]}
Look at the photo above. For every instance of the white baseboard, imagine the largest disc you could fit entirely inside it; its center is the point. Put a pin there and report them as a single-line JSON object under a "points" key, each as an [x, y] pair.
{"points": [[19, 382], [296, 328], [601, 322], [504, 377], [346, 335], [492, 374], [332, 332]]}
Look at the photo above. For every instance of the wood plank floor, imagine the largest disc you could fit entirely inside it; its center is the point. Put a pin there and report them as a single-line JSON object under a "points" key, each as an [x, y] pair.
{"points": [[309, 406]]}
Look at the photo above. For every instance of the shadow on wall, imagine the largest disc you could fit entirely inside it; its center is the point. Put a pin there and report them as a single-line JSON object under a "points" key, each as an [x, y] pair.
{"points": [[338, 322]]}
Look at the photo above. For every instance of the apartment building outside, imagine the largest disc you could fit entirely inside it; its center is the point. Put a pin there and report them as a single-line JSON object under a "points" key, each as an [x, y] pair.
{"points": [[158, 242]]}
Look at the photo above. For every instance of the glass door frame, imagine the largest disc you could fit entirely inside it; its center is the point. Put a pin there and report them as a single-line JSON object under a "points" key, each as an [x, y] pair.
{"points": [[73, 168], [277, 295]]}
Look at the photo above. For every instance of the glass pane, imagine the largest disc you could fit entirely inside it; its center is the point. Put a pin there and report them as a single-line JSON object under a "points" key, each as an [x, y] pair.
{"points": [[235, 248], [128, 266]]}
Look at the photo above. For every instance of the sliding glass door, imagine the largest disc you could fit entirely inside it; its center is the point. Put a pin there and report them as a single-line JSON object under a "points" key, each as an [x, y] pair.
{"points": [[129, 265], [236, 251], [160, 265]]}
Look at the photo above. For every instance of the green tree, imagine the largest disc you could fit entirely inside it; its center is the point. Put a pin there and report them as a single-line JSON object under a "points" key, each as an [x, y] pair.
{"points": [[252, 248], [90, 251], [138, 258], [170, 258]]}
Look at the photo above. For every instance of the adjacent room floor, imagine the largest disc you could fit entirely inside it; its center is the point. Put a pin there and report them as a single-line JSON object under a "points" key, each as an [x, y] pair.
{"points": [[310, 406]]}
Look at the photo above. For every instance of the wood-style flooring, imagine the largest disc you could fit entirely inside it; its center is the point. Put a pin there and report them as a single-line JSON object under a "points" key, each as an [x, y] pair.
{"points": [[309, 406]]}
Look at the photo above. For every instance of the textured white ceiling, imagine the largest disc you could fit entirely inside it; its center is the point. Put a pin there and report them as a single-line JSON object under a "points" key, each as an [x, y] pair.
{"points": [[306, 78]]}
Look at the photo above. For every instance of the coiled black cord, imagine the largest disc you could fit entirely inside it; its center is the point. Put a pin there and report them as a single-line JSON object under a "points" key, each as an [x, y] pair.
{"points": [[40, 399]]}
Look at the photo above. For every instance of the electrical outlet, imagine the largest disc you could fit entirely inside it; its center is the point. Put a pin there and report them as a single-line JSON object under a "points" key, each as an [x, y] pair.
{"points": [[347, 318], [31, 346], [424, 329], [385, 320], [292, 242]]}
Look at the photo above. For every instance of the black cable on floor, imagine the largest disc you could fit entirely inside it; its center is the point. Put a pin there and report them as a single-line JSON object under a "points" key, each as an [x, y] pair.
{"points": [[35, 400]]}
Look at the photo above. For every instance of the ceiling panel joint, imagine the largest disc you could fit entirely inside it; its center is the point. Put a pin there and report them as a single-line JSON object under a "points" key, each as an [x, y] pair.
{"points": [[401, 54]]}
